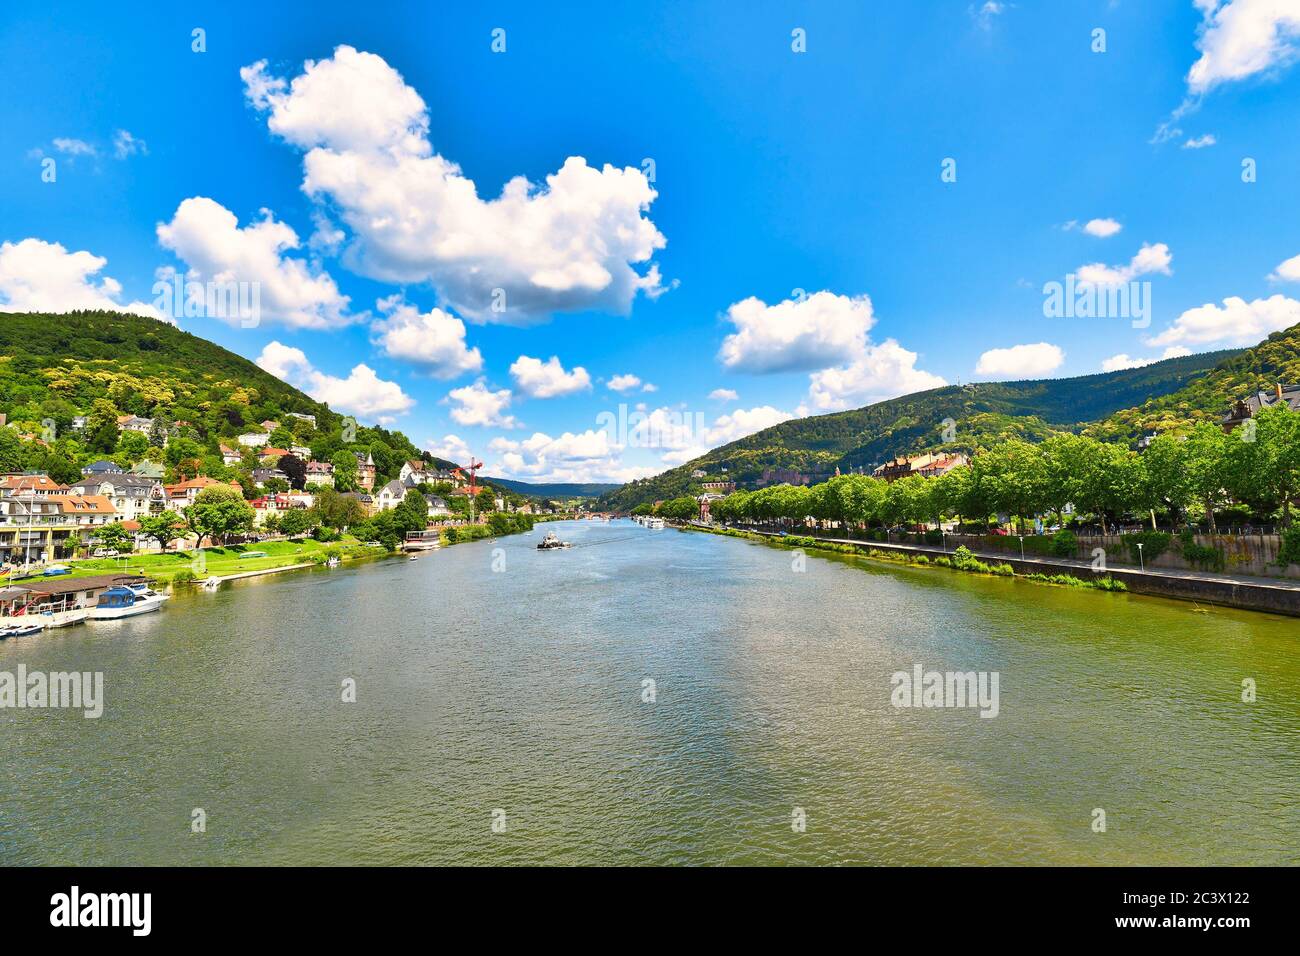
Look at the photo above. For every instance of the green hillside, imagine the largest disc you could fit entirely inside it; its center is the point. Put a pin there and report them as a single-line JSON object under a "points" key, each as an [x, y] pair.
{"points": [[982, 415], [54, 368]]}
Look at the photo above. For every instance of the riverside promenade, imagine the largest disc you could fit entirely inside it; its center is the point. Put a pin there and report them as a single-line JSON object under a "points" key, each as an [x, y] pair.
{"points": [[1248, 592]]}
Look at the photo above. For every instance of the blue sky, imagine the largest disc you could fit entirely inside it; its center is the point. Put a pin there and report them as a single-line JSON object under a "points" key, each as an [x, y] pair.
{"points": [[798, 246]]}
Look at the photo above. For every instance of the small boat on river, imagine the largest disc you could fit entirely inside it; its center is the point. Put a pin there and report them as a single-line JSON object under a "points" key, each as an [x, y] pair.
{"points": [[552, 542], [119, 602]]}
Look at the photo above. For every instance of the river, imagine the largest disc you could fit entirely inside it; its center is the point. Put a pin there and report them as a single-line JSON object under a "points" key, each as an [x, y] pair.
{"points": [[496, 685]]}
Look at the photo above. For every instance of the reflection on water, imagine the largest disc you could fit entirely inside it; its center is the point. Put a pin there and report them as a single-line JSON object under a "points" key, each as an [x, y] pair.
{"points": [[521, 691]]}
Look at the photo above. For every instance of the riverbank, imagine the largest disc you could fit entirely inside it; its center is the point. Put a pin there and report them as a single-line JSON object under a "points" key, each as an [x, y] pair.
{"points": [[1251, 594], [180, 567]]}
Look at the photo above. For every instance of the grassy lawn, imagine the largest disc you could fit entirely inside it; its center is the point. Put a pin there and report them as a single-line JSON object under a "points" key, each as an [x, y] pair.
{"points": [[219, 561]]}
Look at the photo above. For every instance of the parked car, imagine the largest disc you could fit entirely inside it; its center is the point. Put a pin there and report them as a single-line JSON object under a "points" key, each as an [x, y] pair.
{"points": [[1002, 532]]}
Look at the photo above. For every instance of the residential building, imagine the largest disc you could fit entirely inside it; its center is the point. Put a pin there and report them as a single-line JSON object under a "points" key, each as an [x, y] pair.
{"points": [[148, 469], [270, 426], [182, 494], [262, 475], [305, 418], [231, 456], [320, 473], [38, 486], [927, 466], [103, 467], [269, 505], [134, 423], [390, 496], [86, 511], [300, 451], [132, 496], [269, 455], [437, 506], [47, 527], [415, 470], [1249, 407], [253, 439]]}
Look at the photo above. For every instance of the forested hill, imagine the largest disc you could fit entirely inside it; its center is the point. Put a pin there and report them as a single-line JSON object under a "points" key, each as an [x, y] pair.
{"points": [[1240, 374], [102, 364], [982, 414]]}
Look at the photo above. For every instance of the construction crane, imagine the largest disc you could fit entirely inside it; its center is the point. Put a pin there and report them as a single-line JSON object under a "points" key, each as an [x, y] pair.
{"points": [[472, 468]]}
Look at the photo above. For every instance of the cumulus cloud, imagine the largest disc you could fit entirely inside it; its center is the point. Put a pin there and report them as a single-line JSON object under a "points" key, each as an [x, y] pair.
{"points": [[433, 340], [1020, 361], [582, 456], [1288, 271], [450, 448], [797, 334], [40, 276], [566, 245], [623, 383], [478, 404], [1123, 360], [538, 379], [362, 393], [208, 238], [1236, 322], [723, 395], [1149, 259], [1102, 228], [1201, 142], [1242, 38], [880, 372], [681, 437]]}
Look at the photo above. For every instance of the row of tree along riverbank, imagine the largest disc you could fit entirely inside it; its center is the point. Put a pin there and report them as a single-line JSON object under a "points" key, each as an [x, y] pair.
{"points": [[1276, 597]]}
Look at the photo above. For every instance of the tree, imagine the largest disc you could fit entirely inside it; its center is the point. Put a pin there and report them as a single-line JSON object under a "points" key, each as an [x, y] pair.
{"points": [[298, 521], [1164, 479], [218, 512], [1264, 461], [1207, 467], [116, 537], [335, 510], [295, 468], [161, 527]]}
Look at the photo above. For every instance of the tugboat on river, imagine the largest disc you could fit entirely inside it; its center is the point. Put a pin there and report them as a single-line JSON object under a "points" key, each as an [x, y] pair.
{"points": [[552, 542]]}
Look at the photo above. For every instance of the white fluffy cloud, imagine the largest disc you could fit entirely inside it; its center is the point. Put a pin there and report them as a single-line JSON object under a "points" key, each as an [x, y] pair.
{"points": [[623, 383], [880, 372], [683, 436], [584, 456], [208, 238], [433, 340], [451, 448], [1236, 322], [40, 276], [74, 147], [538, 379], [478, 404], [1201, 142], [797, 334], [1124, 360], [362, 393], [1020, 361], [568, 245], [1102, 228], [1241, 38], [827, 332], [1148, 260], [1288, 271], [723, 395]]}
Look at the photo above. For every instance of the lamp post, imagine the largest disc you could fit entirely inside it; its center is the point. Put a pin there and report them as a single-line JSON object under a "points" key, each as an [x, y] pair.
{"points": [[944, 535], [1022, 546], [1141, 566]]}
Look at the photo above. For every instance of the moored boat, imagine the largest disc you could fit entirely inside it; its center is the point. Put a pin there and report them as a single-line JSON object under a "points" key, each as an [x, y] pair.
{"points": [[120, 602], [552, 542]]}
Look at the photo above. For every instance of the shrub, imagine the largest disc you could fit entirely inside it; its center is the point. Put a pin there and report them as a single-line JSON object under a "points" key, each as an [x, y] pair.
{"points": [[1289, 553], [1200, 555], [1154, 544], [184, 576], [1065, 543]]}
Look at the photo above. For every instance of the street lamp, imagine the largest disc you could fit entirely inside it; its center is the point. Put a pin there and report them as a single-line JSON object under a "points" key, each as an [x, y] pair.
{"points": [[1022, 546], [1141, 565], [944, 535]]}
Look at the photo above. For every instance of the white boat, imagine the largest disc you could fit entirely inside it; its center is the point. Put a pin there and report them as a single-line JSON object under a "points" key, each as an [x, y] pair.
{"points": [[65, 617], [147, 592], [654, 524], [21, 630], [119, 602], [552, 542]]}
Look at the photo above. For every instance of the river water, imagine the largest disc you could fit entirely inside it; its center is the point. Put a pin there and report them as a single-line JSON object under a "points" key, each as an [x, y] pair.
{"points": [[499, 685]]}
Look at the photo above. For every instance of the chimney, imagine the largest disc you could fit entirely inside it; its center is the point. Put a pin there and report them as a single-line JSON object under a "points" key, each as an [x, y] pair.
{"points": [[1279, 391]]}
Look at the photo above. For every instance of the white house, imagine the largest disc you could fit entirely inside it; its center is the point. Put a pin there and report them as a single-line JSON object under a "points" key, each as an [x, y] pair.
{"points": [[253, 439], [132, 496], [415, 470], [320, 473], [230, 456], [390, 496]]}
